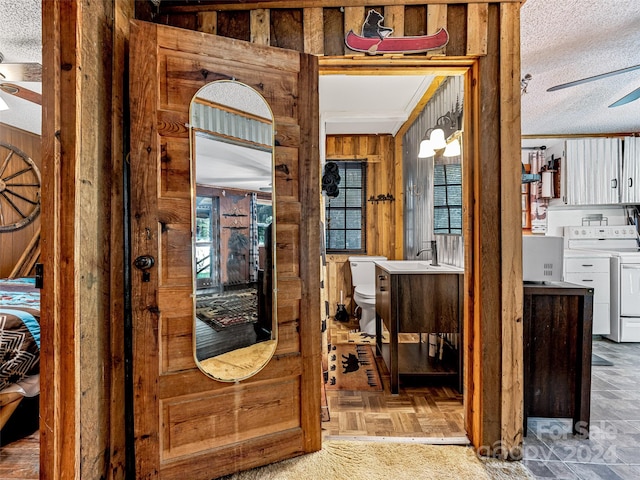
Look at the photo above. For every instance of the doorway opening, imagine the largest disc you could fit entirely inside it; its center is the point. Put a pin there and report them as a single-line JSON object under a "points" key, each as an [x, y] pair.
{"points": [[377, 116]]}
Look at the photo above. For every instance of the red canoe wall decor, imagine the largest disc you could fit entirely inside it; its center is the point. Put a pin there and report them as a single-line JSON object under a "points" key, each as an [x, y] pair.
{"points": [[375, 38]]}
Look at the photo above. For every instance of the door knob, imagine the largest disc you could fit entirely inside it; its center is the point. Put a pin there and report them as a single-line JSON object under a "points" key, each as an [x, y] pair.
{"points": [[144, 263]]}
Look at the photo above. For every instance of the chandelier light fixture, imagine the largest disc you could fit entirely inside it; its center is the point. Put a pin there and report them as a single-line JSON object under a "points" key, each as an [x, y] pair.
{"points": [[443, 138]]}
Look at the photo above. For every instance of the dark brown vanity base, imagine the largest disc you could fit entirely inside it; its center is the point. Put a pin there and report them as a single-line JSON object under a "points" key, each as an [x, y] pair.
{"points": [[558, 321], [418, 303]]}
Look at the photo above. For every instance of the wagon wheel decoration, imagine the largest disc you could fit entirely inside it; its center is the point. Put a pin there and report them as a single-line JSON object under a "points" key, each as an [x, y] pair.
{"points": [[19, 189]]}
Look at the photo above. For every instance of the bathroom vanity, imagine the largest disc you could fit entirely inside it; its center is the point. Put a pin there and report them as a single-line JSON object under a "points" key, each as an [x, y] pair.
{"points": [[416, 297]]}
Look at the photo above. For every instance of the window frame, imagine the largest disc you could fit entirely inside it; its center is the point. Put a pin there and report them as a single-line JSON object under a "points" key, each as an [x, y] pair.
{"points": [[352, 164], [448, 207]]}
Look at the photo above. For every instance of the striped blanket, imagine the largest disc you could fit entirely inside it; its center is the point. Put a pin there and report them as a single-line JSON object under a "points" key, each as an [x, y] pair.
{"points": [[19, 331]]}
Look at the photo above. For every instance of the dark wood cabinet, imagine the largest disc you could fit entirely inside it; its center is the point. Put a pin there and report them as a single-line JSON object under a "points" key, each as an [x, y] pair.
{"points": [[558, 322], [418, 303]]}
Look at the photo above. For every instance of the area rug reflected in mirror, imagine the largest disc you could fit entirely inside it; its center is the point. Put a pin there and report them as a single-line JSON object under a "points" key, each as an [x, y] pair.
{"points": [[361, 460], [228, 308]]}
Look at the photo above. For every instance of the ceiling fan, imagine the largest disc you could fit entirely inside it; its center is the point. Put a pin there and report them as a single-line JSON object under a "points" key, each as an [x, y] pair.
{"points": [[20, 72], [628, 98]]}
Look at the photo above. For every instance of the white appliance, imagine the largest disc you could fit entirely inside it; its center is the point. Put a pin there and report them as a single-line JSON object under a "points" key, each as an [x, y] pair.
{"points": [[542, 258], [622, 243]]}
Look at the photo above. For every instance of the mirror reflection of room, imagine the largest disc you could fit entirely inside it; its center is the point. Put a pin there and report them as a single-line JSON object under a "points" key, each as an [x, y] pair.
{"points": [[232, 135]]}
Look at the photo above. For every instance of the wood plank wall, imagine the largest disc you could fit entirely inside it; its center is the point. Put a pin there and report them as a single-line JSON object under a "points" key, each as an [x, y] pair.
{"points": [[82, 414], [320, 28], [76, 108], [379, 153], [481, 30], [13, 244]]}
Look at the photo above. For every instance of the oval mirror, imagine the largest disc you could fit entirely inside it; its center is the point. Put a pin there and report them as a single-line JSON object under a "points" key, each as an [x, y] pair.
{"points": [[232, 136]]}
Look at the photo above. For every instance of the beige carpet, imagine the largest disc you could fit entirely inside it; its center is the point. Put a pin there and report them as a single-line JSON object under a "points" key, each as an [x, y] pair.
{"points": [[349, 460]]}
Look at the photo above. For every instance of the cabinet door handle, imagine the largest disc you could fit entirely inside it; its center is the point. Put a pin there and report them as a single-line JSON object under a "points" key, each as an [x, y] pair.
{"points": [[586, 280], [382, 277], [614, 183], [586, 265], [630, 182]]}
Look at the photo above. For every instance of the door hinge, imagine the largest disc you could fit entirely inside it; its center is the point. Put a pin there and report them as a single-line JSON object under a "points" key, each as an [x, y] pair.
{"points": [[39, 275]]}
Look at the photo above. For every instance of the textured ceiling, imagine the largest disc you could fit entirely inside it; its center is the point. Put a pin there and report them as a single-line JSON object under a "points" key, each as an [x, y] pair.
{"points": [[562, 41], [21, 41], [566, 40]]}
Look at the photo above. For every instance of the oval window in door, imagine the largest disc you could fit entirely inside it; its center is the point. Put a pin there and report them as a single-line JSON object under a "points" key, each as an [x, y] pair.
{"points": [[232, 139]]}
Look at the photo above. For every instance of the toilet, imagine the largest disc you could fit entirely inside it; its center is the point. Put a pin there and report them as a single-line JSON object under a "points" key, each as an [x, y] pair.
{"points": [[363, 279]]}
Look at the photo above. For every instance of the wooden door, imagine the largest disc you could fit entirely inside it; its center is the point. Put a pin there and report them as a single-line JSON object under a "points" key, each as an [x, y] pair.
{"points": [[185, 424]]}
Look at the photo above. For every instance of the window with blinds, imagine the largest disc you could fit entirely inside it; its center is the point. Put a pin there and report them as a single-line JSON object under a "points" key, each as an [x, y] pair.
{"points": [[346, 214], [447, 199]]}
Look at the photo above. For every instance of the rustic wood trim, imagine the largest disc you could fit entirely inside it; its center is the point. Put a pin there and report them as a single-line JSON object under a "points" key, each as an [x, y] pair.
{"points": [[395, 65], [76, 403], [313, 25], [477, 28], [260, 26], [487, 237], [436, 19], [58, 414], [221, 5], [145, 340], [207, 22], [394, 18], [361, 157], [309, 188], [511, 244], [472, 370], [353, 20], [123, 11]]}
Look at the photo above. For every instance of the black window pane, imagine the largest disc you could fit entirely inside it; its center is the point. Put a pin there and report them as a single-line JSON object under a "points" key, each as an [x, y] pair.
{"points": [[353, 177], [454, 174], [353, 198], [354, 219], [354, 240], [336, 219], [336, 240], [455, 215], [438, 175], [454, 195], [337, 202], [440, 196], [345, 213]]}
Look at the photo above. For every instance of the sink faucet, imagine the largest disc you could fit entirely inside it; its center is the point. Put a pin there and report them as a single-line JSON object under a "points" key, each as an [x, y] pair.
{"points": [[434, 253]]}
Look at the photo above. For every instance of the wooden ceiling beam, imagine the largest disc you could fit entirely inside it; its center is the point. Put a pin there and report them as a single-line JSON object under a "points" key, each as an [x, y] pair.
{"points": [[219, 5]]}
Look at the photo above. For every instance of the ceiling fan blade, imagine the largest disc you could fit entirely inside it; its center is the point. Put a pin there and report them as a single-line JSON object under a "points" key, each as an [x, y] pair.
{"points": [[21, 92], [628, 98], [591, 79], [20, 72]]}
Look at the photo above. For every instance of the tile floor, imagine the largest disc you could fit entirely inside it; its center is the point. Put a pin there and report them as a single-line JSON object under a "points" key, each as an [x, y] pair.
{"points": [[612, 451]]}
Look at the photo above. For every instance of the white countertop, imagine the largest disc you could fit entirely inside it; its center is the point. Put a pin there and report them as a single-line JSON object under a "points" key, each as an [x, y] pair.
{"points": [[416, 267]]}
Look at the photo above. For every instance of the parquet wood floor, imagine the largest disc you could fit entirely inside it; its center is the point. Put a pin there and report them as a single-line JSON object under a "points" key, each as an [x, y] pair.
{"points": [[420, 411], [21, 459]]}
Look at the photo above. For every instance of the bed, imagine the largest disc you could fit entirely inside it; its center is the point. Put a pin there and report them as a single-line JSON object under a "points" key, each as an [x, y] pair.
{"points": [[19, 350]]}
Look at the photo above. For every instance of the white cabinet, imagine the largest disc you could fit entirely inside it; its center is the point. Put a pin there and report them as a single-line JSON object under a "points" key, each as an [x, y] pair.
{"points": [[593, 169], [630, 182], [594, 273]]}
